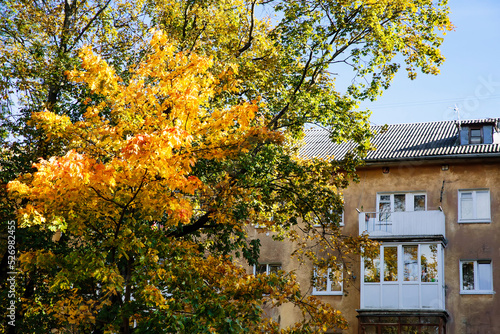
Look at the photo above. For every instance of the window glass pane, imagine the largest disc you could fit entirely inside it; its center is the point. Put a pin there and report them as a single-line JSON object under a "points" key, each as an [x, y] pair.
{"points": [[390, 264], [411, 272], [260, 269], [336, 286], [482, 204], [467, 275], [385, 198], [467, 196], [321, 281], [484, 276], [419, 203], [274, 268], [399, 203], [385, 212], [336, 281], [475, 140], [372, 268], [389, 330], [466, 206], [475, 136], [429, 263], [384, 207]]}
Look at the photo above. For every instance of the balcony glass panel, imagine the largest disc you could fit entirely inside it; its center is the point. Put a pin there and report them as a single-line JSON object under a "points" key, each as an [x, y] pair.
{"points": [[410, 263], [390, 264], [429, 263], [372, 271]]}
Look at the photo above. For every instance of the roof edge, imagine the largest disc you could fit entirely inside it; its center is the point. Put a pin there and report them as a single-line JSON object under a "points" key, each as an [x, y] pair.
{"points": [[435, 157]]}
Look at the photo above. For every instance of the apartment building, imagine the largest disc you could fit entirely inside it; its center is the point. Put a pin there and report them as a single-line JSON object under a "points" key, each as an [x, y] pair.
{"points": [[430, 195]]}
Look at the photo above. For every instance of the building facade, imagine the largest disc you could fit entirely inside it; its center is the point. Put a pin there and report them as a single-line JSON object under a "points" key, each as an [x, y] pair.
{"points": [[430, 195]]}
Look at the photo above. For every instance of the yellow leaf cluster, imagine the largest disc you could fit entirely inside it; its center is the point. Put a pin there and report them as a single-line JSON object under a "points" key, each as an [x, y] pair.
{"points": [[133, 151]]}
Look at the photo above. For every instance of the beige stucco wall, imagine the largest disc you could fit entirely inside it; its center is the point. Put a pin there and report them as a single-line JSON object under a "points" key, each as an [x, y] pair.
{"points": [[468, 313]]}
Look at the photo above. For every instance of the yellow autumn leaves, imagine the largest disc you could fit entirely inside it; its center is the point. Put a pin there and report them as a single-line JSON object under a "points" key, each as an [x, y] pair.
{"points": [[133, 150]]}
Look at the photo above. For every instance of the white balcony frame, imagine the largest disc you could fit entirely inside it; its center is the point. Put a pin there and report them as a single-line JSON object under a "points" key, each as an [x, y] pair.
{"points": [[396, 289], [406, 223]]}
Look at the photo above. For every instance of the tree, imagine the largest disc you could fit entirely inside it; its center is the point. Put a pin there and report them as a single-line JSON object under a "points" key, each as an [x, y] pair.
{"points": [[157, 167], [124, 191]]}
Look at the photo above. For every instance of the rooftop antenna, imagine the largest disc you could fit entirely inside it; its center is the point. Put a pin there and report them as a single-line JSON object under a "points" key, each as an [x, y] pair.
{"points": [[458, 115]]}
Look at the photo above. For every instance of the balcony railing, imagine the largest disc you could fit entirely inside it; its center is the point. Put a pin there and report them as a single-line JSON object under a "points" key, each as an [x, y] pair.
{"points": [[409, 223]]}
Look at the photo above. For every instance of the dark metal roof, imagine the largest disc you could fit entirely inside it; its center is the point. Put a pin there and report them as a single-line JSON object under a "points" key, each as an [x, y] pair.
{"points": [[404, 142]]}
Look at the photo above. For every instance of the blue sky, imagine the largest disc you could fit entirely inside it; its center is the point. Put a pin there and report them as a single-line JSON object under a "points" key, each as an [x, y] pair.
{"points": [[470, 77]]}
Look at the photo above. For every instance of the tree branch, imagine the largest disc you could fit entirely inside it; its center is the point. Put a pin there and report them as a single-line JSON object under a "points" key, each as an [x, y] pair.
{"points": [[87, 26], [273, 123], [250, 32], [188, 229], [107, 199]]}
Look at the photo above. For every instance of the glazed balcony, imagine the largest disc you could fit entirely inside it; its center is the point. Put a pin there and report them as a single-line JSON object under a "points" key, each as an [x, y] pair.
{"points": [[402, 224]]}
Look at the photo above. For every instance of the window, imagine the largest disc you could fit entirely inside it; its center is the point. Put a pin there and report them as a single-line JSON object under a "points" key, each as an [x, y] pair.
{"points": [[474, 206], [266, 268], [477, 134], [476, 277], [399, 202], [418, 202], [328, 282]]}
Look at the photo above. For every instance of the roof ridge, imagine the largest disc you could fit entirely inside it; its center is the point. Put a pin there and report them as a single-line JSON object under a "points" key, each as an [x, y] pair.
{"points": [[318, 128]]}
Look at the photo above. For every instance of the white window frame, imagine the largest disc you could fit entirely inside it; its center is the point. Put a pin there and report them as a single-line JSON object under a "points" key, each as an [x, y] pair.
{"points": [[409, 199], [476, 290], [329, 282], [268, 265], [474, 205]]}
